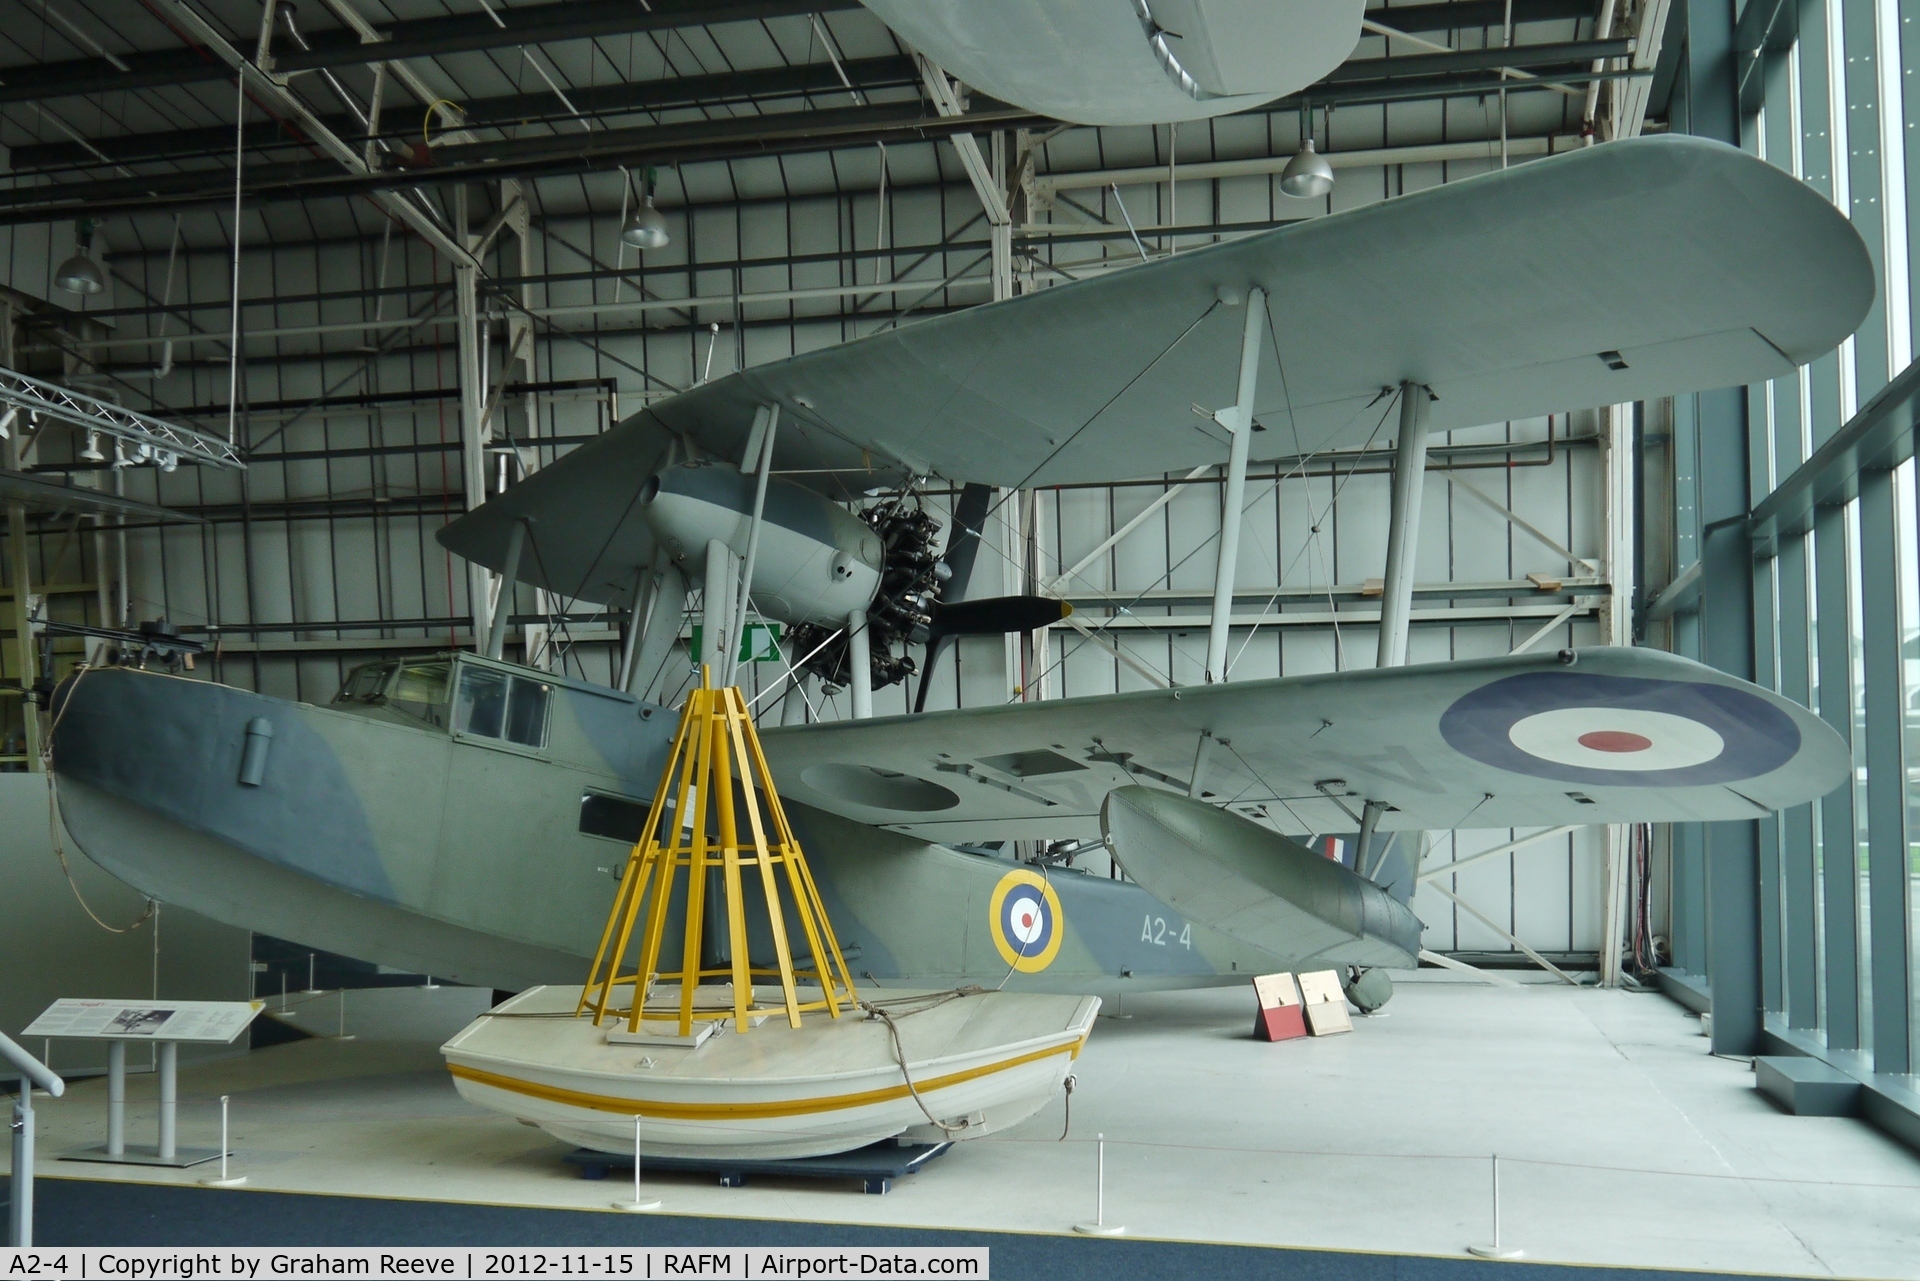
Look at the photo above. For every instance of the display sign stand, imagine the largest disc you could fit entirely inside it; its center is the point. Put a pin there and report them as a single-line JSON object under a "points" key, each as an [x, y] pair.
{"points": [[163, 1024]]}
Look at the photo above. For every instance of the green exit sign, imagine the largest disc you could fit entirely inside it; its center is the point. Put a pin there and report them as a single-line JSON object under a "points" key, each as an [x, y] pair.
{"points": [[760, 643]]}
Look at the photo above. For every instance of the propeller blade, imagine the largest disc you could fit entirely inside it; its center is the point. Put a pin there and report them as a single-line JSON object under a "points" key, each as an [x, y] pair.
{"points": [[963, 544], [997, 615]]}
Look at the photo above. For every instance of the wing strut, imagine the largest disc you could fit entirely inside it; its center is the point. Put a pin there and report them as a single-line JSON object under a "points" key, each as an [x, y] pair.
{"points": [[1239, 422]]}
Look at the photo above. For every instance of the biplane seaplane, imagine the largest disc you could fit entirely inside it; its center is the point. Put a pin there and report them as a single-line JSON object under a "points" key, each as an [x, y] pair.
{"points": [[466, 816]]}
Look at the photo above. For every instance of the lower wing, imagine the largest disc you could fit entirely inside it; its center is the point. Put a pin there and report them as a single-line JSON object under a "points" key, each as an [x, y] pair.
{"points": [[1593, 736]]}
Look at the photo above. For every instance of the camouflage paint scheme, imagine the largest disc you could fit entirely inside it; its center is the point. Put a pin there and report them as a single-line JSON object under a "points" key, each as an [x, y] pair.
{"points": [[381, 837]]}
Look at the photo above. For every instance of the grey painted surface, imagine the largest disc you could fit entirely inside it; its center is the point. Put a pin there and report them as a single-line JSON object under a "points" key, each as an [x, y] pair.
{"points": [[50, 949]]}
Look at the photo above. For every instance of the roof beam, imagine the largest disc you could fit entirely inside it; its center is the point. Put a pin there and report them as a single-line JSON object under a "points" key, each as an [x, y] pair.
{"points": [[416, 38], [729, 88], [570, 153], [534, 24], [1463, 15]]}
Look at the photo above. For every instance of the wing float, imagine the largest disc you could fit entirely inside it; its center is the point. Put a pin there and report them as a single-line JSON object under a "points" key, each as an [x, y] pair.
{"points": [[1130, 62], [1636, 269], [1614, 736]]}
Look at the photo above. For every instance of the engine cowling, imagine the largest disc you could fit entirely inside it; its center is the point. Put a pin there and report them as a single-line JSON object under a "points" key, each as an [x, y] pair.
{"points": [[816, 563]]}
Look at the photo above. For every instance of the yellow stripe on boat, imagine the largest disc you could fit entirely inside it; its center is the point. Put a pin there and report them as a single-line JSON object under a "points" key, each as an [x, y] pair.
{"points": [[746, 1111]]}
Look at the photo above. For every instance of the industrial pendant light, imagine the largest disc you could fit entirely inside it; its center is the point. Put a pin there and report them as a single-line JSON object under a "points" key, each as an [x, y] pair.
{"points": [[647, 227], [91, 453], [1307, 176], [80, 274]]}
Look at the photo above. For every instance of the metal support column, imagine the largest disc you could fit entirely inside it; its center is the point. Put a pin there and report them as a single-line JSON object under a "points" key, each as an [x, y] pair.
{"points": [[25, 660], [1726, 638], [859, 665], [1885, 708], [1841, 897], [1403, 528], [1711, 110], [1796, 825], [496, 633], [1239, 421]]}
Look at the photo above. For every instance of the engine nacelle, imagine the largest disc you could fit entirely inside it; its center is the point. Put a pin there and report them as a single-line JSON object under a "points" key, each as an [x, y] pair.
{"points": [[816, 563]]}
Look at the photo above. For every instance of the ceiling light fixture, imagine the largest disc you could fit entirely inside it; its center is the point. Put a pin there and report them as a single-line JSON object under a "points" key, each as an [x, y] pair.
{"points": [[92, 454], [80, 274], [1308, 175], [647, 227]]}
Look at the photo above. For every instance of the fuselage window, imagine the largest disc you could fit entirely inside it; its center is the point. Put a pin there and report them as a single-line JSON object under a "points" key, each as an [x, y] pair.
{"points": [[494, 705], [613, 817]]}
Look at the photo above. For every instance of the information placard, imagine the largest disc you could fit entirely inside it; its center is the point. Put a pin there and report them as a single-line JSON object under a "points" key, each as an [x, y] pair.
{"points": [[208, 1022]]}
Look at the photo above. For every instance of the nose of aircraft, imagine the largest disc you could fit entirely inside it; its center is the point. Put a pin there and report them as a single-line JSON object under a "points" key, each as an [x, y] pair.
{"points": [[250, 771]]}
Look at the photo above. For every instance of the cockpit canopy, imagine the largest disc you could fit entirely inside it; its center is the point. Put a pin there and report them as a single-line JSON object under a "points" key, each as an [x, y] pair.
{"points": [[482, 702]]}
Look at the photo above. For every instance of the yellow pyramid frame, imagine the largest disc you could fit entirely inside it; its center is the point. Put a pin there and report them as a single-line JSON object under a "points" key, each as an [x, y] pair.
{"points": [[715, 738]]}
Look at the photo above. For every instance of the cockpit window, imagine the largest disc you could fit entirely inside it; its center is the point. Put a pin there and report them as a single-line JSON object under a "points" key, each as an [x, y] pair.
{"points": [[420, 690], [365, 683], [495, 705]]}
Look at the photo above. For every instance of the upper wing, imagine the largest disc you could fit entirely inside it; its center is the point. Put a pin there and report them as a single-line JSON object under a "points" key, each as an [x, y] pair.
{"points": [[1690, 264], [1618, 735], [1091, 61]]}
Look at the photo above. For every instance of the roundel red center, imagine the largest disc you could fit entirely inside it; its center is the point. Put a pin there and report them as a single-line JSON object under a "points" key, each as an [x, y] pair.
{"points": [[1615, 740]]}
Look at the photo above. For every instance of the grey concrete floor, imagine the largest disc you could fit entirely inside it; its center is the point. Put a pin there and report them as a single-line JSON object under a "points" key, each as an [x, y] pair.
{"points": [[1622, 1141]]}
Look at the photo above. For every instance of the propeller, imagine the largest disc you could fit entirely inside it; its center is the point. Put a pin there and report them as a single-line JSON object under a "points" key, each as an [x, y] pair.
{"points": [[995, 616]]}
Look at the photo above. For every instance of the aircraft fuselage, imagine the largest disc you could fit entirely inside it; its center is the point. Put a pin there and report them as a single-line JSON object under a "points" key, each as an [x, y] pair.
{"points": [[476, 834]]}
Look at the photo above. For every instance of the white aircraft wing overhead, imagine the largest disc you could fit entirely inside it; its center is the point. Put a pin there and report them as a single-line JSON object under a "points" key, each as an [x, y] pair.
{"points": [[1620, 272], [1095, 62], [1613, 736]]}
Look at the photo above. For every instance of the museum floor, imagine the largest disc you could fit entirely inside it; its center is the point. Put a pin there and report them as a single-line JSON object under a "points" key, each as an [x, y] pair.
{"points": [[1622, 1141]]}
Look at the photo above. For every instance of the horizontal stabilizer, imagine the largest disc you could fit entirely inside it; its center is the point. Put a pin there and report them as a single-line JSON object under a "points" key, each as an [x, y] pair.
{"points": [[1254, 885]]}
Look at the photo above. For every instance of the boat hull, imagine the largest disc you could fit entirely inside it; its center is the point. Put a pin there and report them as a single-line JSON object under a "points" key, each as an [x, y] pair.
{"points": [[978, 1062]]}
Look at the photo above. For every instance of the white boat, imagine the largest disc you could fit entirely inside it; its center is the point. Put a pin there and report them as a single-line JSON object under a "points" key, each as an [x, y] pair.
{"points": [[974, 1063]]}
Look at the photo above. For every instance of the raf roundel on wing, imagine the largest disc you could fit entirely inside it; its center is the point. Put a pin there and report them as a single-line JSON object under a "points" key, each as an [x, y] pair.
{"points": [[1618, 731]]}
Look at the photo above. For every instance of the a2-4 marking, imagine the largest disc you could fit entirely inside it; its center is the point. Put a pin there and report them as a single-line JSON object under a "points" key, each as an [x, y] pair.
{"points": [[1155, 930]]}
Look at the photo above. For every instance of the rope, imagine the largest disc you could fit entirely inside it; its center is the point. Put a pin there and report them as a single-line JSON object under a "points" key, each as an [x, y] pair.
{"points": [[877, 1010]]}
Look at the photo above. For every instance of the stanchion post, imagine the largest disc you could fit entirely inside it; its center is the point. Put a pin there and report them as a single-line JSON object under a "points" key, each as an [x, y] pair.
{"points": [[223, 1180], [1495, 1250], [639, 1204], [1099, 1227], [343, 1017], [311, 989]]}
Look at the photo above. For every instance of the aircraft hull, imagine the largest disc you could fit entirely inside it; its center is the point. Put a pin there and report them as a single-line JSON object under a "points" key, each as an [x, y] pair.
{"points": [[418, 848]]}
